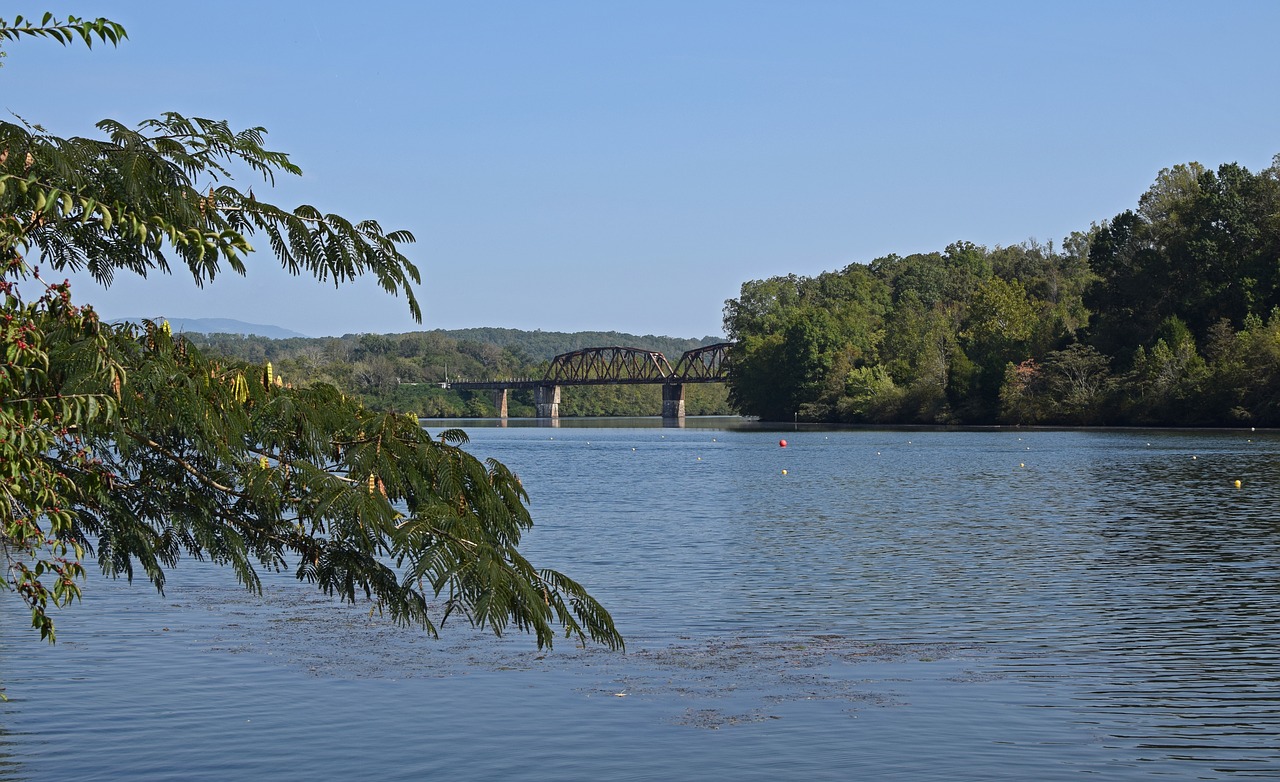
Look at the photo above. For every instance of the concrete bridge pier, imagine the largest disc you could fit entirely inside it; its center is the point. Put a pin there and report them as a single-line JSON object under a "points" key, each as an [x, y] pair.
{"points": [[673, 401], [547, 400], [500, 401]]}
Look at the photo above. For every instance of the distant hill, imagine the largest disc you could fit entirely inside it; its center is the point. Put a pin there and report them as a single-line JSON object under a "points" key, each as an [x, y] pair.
{"points": [[534, 345], [545, 345], [225, 326]]}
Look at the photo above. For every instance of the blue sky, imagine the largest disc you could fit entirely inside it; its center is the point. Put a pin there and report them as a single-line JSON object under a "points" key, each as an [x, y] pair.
{"points": [[627, 165]]}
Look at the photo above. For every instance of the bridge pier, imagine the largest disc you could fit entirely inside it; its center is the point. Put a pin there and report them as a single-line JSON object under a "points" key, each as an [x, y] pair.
{"points": [[500, 401], [673, 401], [547, 400]]}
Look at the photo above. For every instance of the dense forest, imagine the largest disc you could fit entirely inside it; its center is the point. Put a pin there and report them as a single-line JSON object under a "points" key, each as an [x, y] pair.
{"points": [[1166, 314], [403, 372]]}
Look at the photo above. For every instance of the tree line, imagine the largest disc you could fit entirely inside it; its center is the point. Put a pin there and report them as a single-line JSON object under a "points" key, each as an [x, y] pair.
{"points": [[1166, 314]]}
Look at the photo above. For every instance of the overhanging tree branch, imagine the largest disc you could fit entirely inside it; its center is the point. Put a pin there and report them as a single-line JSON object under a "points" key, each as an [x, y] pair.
{"points": [[130, 438]]}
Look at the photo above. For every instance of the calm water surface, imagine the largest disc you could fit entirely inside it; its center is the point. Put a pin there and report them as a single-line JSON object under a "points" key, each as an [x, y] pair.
{"points": [[899, 605]]}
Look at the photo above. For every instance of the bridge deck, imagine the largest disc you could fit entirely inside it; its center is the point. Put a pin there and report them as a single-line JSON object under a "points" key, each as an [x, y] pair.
{"points": [[492, 385], [496, 385]]}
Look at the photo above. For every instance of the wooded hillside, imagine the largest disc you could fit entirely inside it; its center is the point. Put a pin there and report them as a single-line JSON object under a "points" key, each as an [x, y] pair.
{"points": [[1168, 313]]}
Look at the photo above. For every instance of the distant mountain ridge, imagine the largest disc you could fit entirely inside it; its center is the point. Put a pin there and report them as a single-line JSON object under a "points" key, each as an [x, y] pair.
{"points": [[536, 345], [225, 326]]}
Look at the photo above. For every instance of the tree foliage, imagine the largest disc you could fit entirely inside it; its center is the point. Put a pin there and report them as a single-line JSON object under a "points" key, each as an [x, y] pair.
{"points": [[1157, 316], [131, 446], [797, 337]]}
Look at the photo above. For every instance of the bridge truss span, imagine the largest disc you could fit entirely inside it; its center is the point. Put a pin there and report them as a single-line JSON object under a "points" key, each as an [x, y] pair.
{"points": [[707, 364], [607, 366]]}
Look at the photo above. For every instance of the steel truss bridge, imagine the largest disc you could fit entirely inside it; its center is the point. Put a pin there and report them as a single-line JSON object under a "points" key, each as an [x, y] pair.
{"points": [[613, 366]]}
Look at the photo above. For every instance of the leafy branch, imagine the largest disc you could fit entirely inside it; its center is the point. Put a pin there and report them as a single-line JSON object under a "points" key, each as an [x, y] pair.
{"points": [[66, 32], [127, 444]]}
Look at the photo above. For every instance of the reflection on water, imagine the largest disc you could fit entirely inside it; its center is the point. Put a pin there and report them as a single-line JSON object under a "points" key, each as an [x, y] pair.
{"points": [[898, 605]]}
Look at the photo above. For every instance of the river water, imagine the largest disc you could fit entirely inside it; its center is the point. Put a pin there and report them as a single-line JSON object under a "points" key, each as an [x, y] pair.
{"points": [[915, 605]]}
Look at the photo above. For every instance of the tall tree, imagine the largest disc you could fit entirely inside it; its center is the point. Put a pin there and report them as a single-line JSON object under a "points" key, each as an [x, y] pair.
{"points": [[1132, 289], [1201, 247], [133, 447]]}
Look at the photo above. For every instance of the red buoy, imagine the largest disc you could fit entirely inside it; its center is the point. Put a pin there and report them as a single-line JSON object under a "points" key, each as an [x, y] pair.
{"points": [[782, 443]]}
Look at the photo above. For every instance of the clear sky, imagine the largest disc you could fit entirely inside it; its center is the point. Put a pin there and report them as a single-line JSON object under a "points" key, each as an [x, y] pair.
{"points": [[627, 165]]}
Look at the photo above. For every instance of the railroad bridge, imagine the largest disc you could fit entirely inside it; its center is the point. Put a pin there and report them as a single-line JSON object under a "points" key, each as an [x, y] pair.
{"points": [[612, 366]]}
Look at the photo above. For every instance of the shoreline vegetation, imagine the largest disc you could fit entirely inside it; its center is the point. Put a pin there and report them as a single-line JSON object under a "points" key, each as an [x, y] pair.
{"points": [[1167, 314]]}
